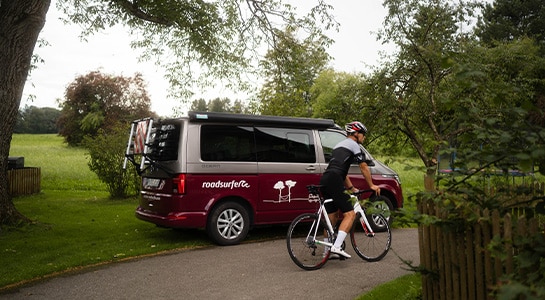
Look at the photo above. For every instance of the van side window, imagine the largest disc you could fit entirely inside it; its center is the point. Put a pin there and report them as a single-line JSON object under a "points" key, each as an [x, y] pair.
{"points": [[285, 145], [329, 140], [227, 143]]}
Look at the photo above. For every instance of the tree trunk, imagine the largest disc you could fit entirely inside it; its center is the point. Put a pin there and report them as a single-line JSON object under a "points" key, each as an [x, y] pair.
{"points": [[20, 24]]}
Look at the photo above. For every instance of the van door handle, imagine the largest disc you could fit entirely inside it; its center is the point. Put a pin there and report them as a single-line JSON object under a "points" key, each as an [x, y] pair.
{"points": [[311, 168]]}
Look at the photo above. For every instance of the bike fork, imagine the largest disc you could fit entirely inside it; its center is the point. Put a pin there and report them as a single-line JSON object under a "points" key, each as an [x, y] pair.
{"points": [[363, 220]]}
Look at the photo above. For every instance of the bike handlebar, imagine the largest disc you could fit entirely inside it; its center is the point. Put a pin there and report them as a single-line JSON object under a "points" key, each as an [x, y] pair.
{"points": [[359, 192], [314, 189]]}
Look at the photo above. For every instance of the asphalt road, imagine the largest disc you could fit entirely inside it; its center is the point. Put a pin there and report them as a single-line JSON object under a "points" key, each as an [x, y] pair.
{"points": [[260, 270]]}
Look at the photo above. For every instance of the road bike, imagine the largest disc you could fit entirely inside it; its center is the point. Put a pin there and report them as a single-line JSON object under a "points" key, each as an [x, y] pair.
{"points": [[310, 235]]}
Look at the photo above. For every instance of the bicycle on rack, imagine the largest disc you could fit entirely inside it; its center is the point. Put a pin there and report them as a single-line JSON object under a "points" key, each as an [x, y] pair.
{"points": [[311, 235]]}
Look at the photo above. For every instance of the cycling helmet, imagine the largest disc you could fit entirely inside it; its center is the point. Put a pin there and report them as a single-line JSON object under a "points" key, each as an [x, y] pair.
{"points": [[355, 127]]}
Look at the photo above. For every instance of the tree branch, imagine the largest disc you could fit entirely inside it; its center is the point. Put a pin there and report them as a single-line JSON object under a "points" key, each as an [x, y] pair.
{"points": [[134, 9]]}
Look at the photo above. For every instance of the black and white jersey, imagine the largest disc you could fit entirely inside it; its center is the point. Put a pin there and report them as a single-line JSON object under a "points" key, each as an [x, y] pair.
{"points": [[344, 154]]}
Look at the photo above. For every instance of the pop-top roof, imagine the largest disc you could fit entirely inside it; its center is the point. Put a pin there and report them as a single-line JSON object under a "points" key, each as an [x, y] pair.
{"points": [[260, 120]]}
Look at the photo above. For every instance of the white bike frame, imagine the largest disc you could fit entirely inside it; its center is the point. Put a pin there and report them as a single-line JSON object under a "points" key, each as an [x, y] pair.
{"points": [[323, 212]]}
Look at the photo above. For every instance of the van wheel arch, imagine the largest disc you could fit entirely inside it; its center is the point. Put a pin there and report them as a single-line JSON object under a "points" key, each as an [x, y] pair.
{"points": [[229, 221]]}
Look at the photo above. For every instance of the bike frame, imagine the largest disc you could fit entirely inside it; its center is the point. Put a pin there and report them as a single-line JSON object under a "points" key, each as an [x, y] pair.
{"points": [[323, 213]]}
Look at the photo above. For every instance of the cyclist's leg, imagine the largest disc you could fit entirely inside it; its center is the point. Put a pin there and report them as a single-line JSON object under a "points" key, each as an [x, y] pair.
{"points": [[328, 180], [342, 201], [348, 219]]}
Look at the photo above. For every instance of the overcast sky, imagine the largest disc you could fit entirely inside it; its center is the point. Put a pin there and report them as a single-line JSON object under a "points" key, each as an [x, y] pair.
{"points": [[67, 57]]}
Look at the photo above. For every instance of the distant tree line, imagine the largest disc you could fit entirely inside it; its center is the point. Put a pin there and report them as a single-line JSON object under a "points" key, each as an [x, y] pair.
{"points": [[220, 105], [38, 120]]}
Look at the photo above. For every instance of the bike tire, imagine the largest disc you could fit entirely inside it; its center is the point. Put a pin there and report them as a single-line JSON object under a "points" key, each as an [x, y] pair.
{"points": [[304, 252], [371, 248]]}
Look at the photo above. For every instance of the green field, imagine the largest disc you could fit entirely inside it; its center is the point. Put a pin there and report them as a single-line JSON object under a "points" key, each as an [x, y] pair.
{"points": [[75, 224]]}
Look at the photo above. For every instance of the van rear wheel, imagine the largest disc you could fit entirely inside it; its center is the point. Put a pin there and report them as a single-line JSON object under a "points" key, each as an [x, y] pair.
{"points": [[228, 224]]}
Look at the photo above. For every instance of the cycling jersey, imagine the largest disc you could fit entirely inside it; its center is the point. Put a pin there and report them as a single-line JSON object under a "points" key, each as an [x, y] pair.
{"points": [[344, 154]]}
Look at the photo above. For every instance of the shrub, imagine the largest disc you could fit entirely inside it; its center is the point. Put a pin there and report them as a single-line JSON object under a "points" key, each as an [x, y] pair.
{"points": [[106, 153]]}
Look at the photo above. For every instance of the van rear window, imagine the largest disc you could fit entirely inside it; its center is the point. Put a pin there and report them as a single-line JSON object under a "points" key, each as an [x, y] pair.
{"points": [[164, 142]]}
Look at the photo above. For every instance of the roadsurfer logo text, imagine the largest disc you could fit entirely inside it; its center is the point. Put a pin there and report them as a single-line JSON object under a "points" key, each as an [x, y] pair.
{"points": [[233, 184]]}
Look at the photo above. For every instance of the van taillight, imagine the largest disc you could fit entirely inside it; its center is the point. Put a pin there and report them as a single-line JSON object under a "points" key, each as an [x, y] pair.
{"points": [[179, 184]]}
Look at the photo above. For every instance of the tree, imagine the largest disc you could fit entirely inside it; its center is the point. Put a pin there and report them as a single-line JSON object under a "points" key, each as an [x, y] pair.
{"points": [[290, 70], [508, 20], [20, 24], [501, 143], [339, 96], [219, 36], [101, 101], [199, 105], [33, 119], [514, 22], [413, 91], [219, 105]]}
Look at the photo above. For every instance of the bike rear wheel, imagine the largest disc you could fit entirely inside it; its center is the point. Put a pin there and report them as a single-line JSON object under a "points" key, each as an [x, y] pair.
{"points": [[371, 247], [303, 250]]}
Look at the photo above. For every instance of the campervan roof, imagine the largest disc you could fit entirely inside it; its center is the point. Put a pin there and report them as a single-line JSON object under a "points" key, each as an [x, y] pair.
{"points": [[201, 117]]}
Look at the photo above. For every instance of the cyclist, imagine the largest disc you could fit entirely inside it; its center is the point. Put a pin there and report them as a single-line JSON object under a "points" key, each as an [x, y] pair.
{"points": [[335, 181]]}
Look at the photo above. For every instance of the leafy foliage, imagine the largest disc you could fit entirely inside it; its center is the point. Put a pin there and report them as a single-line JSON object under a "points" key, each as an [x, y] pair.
{"points": [[198, 42], [509, 20], [527, 282], [106, 153], [32, 119], [219, 105], [414, 91], [339, 96], [290, 70], [100, 101]]}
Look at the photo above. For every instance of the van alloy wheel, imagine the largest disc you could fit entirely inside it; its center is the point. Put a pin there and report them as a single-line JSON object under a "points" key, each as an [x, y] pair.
{"points": [[228, 224]]}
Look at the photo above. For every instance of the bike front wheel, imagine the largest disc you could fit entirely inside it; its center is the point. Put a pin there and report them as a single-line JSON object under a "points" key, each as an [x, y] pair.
{"points": [[304, 250], [371, 246]]}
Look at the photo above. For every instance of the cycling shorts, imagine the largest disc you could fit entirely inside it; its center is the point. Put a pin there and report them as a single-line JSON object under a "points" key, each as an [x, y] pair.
{"points": [[333, 188]]}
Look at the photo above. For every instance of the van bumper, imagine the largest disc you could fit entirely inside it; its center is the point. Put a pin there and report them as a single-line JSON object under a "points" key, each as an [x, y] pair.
{"points": [[173, 220]]}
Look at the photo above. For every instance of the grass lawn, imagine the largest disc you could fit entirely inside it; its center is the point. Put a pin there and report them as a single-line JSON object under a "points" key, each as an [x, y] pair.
{"points": [[77, 225], [406, 287]]}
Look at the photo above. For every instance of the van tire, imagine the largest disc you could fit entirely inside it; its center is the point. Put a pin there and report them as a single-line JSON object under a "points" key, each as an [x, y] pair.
{"points": [[383, 203], [228, 224]]}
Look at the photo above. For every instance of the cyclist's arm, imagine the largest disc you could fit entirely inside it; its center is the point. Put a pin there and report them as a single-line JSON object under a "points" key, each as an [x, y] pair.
{"points": [[364, 168], [348, 185]]}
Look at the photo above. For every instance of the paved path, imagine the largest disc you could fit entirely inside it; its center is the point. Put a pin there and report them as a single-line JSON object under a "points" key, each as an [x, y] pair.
{"points": [[249, 271]]}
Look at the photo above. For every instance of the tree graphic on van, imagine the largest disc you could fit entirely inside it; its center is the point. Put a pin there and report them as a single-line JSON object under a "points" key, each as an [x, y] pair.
{"points": [[280, 186]]}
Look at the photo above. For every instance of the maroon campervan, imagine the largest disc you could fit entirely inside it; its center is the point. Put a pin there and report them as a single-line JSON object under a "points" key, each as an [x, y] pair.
{"points": [[229, 172]]}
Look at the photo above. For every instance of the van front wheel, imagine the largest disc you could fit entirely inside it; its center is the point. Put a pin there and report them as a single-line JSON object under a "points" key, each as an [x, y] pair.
{"points": [[228, 224]]}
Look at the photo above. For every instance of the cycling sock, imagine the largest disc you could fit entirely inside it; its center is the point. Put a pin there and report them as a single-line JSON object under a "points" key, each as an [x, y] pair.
{"points": [[340, 239]]}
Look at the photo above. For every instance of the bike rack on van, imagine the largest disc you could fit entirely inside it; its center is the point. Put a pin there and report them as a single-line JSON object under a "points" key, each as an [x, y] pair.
{"points": [[138, 143]]}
